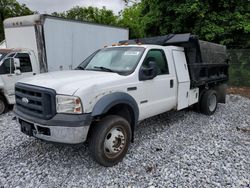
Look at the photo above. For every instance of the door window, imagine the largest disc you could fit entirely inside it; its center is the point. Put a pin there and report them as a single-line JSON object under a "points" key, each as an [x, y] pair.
{"points": [[25, 63], [158, 56], [7, 66]]}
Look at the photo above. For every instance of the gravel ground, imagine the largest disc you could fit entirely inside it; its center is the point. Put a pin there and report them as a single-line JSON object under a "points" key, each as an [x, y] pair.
{"points": [[176, 149]]}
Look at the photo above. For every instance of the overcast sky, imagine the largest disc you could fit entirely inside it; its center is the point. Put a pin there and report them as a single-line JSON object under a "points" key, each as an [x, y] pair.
{"points": [[49, 6]]}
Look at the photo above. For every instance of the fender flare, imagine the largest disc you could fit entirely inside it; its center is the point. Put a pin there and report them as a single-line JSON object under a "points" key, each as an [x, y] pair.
{"points": [[110, 100]]}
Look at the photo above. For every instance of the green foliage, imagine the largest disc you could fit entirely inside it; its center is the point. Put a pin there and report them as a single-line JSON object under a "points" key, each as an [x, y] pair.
{"points": [[11, 8], [131, 18], [239, 67], [222, 21], [90, 14]]}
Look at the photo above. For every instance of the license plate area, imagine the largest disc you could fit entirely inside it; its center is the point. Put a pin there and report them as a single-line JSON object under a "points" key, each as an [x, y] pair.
{"points": [[26, 127]]}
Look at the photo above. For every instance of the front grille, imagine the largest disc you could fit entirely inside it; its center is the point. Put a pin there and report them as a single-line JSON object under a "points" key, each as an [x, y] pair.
{"points": [[35, 101]]}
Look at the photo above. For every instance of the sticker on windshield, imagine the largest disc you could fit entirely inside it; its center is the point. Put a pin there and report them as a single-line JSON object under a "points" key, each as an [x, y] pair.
{"points": [[131, 53]]}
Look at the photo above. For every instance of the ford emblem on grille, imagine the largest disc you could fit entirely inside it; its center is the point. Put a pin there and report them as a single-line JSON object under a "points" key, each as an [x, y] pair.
{"points": [[25, 100]]}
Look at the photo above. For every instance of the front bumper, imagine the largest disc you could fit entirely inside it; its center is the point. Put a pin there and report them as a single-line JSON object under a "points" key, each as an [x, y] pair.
{"points": [[62, 128]]}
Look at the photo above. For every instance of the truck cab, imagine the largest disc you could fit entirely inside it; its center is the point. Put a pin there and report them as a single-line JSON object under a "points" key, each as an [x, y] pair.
{"points": [[110, 92], [15, 64]]}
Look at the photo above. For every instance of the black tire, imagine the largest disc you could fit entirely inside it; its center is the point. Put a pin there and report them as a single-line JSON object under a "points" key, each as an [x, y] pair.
{"points": [[102, 133], [209, 102], [3, 105]]}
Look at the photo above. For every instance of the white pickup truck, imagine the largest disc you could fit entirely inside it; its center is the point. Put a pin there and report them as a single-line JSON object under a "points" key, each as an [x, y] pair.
{"points": [[111, 91]]}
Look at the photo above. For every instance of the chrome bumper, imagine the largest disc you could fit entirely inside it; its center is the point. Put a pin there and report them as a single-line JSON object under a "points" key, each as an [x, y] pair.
{"points": [[62, 128], [59, 134], [69, 135]]}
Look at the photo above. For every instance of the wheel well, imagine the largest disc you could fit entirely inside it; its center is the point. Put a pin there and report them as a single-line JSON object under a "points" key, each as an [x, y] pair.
{"points": [[3, 97], [123, 110]]}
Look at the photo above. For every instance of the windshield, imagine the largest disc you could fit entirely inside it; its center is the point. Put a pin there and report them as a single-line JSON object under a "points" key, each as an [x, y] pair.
{"points": [[122, 60]]}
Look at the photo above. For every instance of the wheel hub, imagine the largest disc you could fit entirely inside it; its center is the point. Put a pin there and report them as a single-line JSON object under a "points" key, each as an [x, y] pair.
{"points": [[2, 106], [212, 103], [114, 141]]}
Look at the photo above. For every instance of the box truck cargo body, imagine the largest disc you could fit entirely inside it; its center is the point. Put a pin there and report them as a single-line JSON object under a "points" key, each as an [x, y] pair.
{"points": [[42, 43], [60, 44]]}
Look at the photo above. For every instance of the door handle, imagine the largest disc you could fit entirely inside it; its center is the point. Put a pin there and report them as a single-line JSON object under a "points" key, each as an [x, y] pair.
{"points": [[171, 83]]}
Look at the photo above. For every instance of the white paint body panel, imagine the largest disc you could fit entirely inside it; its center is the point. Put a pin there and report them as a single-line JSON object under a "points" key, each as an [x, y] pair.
{"points": [[183, 95], [181, 65], [193, 96], [182, 77]]}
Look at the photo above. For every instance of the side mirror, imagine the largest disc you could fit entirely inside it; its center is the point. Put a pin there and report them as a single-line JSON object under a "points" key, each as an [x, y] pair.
{"points": [[148, 73], [17, 72], [16, 63]]}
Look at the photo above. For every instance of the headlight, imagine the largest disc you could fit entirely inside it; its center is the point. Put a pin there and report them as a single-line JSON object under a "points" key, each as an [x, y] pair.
{"points": [[68, 104]]}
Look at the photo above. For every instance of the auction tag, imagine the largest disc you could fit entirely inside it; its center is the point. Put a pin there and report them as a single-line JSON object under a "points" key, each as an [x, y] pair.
{"points": [[131, 53]]}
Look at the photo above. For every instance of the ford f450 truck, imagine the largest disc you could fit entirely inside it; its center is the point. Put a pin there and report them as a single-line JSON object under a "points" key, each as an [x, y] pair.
{"points": [[116, 87]]}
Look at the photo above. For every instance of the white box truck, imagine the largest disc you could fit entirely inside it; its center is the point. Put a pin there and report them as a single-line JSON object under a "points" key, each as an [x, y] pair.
{"points": [[43, 43]]}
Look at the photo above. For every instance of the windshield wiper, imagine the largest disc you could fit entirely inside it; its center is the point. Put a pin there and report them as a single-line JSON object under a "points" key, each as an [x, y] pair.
{"points": [[80, 68], [104, 68]]}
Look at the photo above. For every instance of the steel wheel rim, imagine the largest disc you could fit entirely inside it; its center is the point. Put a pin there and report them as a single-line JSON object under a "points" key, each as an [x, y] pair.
{"points": [[212, 103], [115, 142], [2, 106]]}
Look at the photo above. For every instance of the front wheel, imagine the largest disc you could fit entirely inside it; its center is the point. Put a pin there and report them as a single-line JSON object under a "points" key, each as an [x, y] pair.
{"points": [[109, 140], [209, 102]]}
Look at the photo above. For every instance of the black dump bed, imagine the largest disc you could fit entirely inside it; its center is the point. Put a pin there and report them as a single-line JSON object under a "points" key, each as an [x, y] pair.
{"points": [[207, 62]]}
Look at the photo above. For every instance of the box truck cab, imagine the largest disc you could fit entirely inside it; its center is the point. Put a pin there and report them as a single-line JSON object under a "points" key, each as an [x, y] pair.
{"points": [[15, 64], [111, 91], [49, 43]]}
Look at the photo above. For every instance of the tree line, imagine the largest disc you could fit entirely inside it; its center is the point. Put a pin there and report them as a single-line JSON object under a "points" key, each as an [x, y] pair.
{"points": [[222, 21]]}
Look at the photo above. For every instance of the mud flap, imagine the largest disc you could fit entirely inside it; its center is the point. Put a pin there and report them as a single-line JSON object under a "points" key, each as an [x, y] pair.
{"points": [[221, 92]]}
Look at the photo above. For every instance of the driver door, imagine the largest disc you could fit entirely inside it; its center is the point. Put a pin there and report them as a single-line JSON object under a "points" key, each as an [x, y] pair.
{"points": [[158, 95]]}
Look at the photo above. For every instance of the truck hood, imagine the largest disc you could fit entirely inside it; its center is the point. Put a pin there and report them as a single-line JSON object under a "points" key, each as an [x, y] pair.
{"points": [[68, 82]]}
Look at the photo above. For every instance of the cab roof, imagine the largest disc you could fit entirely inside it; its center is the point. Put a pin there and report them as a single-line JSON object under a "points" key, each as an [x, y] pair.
{"points": [[9, 50], [135, 45]]}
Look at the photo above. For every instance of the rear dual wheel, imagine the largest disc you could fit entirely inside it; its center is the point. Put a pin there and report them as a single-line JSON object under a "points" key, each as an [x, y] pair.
{"points": [[109, 140], [209, 102]]}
